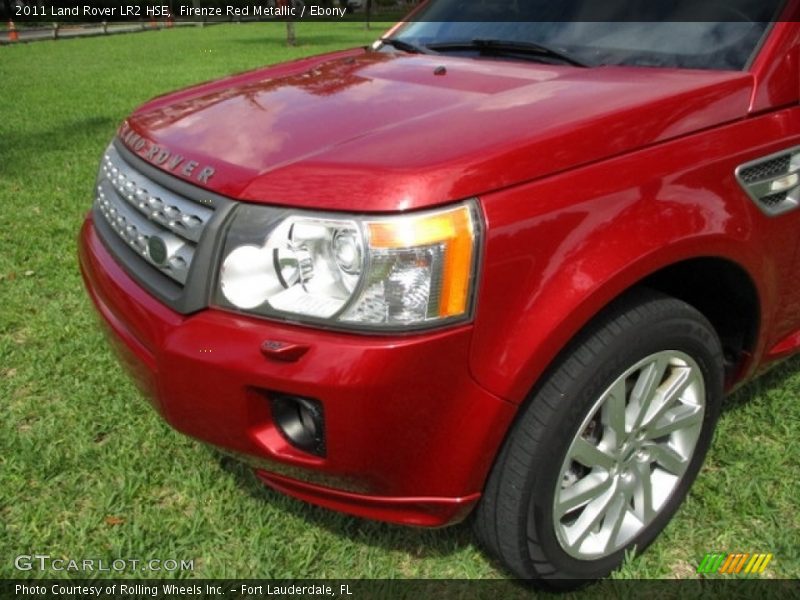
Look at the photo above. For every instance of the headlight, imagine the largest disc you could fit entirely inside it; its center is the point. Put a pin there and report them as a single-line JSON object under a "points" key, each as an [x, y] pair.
{"points": [[365, 272]]}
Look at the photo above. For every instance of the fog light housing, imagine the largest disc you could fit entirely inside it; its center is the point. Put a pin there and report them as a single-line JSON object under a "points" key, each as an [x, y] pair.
{"points": [[301, 421]]}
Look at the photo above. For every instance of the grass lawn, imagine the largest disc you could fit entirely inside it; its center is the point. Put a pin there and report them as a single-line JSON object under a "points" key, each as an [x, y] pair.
{"points": [[87, 469]]}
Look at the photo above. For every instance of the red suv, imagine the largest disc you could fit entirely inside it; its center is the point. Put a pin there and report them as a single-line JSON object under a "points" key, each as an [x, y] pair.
{"points": [[508, 265]]}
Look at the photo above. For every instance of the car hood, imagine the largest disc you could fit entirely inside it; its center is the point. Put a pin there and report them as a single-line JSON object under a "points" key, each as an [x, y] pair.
{"points": [[373, 131]]}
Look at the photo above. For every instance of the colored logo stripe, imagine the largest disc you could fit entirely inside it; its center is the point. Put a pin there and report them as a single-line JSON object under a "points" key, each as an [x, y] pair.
{"points": [[734, 563], [711, 563]]}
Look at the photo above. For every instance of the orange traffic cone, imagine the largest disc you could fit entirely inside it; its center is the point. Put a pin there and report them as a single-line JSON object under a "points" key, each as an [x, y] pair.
{"points": [[13, 35]]}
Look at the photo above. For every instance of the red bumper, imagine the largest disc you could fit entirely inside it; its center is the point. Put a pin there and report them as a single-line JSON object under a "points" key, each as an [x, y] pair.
{"points": [[410, 436]]}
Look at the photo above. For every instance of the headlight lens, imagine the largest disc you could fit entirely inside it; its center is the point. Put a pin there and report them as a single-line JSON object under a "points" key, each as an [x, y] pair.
{"points": [[370, 272]]}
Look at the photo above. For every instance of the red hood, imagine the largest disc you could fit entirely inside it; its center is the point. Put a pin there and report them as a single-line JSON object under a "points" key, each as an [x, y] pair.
{"points": [[373, 131]]}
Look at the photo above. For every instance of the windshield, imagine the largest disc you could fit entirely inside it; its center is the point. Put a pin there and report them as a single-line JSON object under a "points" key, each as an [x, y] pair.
{"points": [[653, 33]]}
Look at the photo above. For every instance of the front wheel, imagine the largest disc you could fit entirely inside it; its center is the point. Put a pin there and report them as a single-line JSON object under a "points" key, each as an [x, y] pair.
{"points": [[607, 446]]}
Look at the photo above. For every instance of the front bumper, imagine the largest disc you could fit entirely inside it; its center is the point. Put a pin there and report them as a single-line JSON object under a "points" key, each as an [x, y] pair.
{"points": [[410, 436]]}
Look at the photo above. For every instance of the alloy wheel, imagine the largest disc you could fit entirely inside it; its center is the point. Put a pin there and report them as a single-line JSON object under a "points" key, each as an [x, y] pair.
{"points": [[629, 455]]}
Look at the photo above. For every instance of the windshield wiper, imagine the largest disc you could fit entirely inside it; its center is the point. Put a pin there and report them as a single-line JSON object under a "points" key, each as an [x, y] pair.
{"points": [[406, 46], [531, 49]]}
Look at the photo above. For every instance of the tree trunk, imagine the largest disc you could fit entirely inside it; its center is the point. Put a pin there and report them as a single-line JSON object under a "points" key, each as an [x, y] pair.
{"points": [[291, 37]]}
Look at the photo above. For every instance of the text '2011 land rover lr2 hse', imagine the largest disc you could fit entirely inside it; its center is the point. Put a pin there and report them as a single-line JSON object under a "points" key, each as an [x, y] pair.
{"points": [[501, 267]]}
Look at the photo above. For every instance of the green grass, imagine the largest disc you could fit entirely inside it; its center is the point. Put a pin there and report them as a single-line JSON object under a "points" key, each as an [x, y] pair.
{"points": [[88, 470]]}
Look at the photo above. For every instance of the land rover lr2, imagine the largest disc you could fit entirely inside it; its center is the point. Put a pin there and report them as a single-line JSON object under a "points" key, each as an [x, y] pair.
{"points": [[498, 267]]}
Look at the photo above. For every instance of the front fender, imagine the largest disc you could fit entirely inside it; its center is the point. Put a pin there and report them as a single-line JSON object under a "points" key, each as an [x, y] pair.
{"points": [[560, 249]]}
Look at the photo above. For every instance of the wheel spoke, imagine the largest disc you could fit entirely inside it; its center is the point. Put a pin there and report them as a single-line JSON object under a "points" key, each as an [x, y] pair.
{"points": [[643, 493], [590, 455], [682, 417], [613, 412], [644, 391], [581, 492], [615, 516], [679, 379], [591, 516], [667, 458]]}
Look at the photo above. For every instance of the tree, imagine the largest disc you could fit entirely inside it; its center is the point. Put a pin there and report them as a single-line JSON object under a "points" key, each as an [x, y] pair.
{"points": [[291, 37], [368, 16]]}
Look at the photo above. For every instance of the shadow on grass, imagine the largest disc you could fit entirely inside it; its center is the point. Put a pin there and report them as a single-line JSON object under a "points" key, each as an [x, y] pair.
{"points": [[418, 542], [56, 139], [775, 378]]}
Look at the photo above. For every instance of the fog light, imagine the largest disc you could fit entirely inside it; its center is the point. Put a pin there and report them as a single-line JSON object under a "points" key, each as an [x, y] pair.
{"points": [[301, 422]]}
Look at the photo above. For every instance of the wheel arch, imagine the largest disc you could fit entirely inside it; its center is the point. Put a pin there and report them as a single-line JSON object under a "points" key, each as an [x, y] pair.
{"points": [[725, 293], [718, 285]]}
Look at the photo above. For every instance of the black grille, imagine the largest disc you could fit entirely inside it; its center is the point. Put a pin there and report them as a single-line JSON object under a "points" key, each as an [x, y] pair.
{"points": [[774, 199], [766, 170]]}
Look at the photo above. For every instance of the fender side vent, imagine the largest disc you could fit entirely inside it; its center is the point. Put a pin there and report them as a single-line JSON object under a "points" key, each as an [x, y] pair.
{"points": [[773, 182], [764, 170], [774, 199]]}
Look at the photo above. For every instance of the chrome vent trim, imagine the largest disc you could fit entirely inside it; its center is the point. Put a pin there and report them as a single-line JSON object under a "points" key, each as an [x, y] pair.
{"points": [[773, 182], [139, 211]]}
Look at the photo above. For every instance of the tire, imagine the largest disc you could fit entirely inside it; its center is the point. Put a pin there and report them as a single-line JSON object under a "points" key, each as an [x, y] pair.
{"points": [[575, 446]]}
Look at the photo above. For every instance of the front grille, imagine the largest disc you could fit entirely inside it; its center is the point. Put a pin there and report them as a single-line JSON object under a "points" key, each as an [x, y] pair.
{"points": [[162, 227]]}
